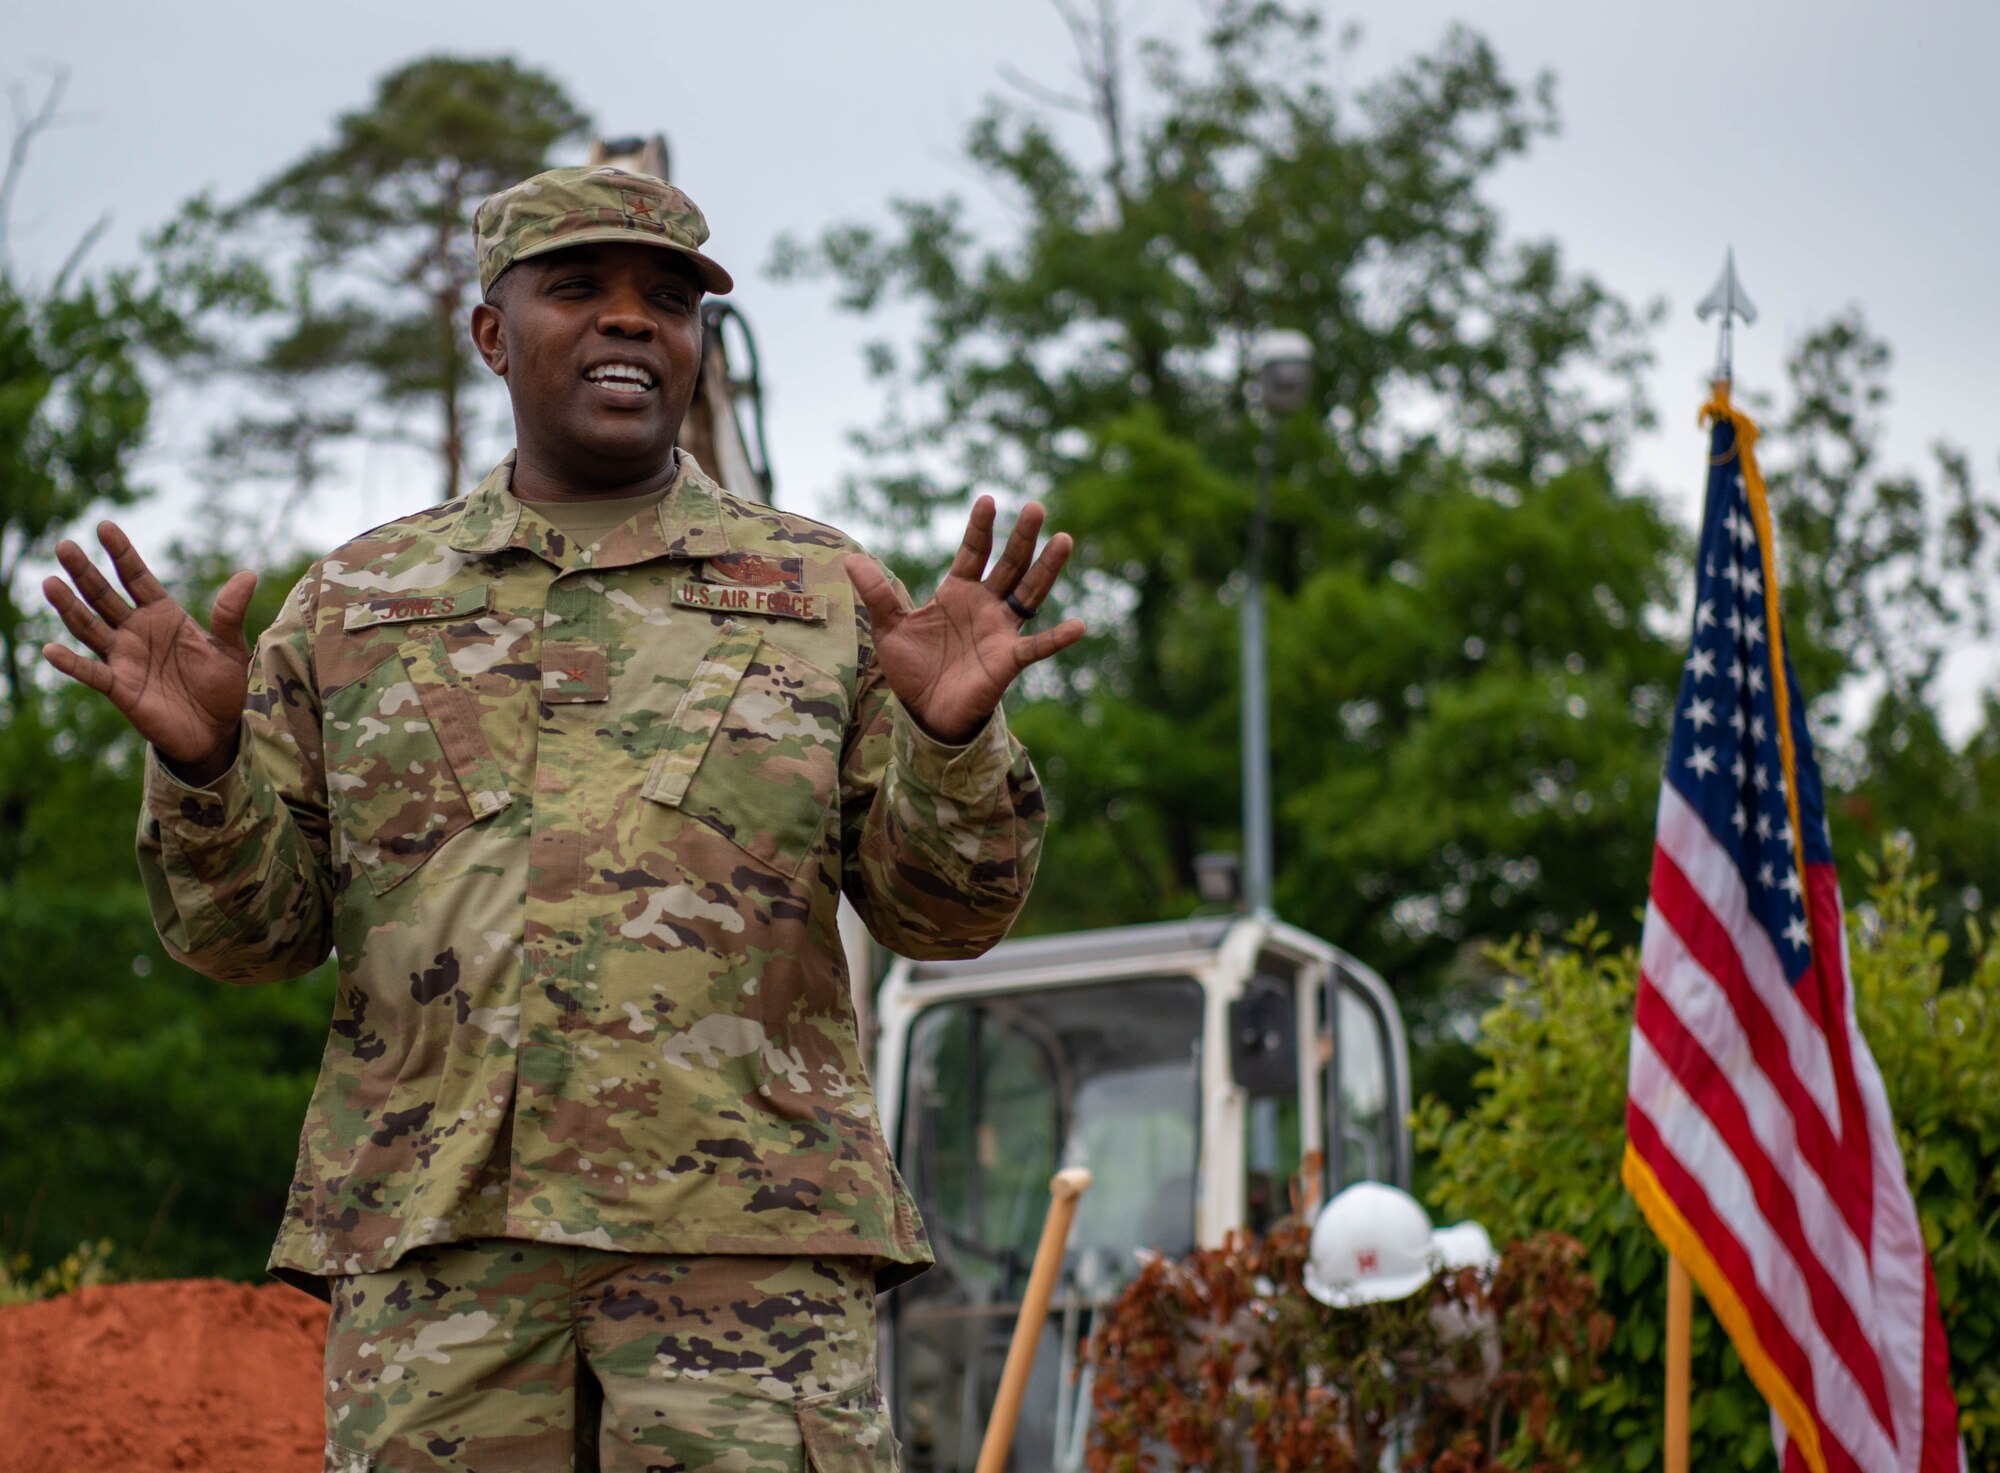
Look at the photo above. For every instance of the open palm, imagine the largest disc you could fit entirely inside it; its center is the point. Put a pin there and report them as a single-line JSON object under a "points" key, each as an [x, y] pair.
{"points": [[951, 660], [181, 686]]}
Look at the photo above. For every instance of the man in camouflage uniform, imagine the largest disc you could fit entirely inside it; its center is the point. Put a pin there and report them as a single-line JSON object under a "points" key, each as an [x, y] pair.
{"points": [[571, 774]]}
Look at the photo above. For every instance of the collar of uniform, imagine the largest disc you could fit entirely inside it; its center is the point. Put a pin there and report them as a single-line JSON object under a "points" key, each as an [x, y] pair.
{"points": [[690, 523]]}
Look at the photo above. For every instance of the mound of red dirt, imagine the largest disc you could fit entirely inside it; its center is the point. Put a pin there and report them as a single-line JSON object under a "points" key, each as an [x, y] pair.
{"points": [[196, 1374]]}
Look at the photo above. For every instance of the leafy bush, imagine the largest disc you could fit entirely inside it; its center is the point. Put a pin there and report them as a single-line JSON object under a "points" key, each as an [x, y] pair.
{"points": [[1540, 1153], [1221, 1361], [87, 1263]]}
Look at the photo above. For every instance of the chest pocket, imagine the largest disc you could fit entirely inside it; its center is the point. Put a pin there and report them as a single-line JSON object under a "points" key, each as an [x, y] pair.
{"points": [[753, 748], [406, 766]]}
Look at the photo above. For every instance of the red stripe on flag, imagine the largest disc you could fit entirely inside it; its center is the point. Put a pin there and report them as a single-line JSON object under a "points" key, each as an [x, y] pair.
{"points": [[1941, 1444], [1829, 982]]}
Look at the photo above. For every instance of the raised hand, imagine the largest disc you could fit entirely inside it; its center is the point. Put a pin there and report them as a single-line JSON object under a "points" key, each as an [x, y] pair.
{"points": [[951, 660], [182, 687]]}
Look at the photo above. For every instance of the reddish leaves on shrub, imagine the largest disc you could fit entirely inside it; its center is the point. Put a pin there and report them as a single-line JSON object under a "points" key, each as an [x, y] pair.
{"points": [[1221, 1361]]}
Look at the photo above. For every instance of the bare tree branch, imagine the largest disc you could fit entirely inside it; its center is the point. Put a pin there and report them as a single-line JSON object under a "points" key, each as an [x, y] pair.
{"points": [[29, 124], [1047, 96], [78, 252], [1099, 55]]}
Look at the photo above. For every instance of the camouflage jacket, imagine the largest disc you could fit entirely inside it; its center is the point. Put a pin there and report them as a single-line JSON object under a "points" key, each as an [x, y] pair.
{"points": [[576, 822]]}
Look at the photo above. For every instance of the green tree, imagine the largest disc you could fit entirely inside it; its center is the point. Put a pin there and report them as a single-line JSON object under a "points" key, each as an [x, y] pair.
{"points": [[1541, 1152], [371, 334], [1467, 684], [1886, 573], [140, 1102]]}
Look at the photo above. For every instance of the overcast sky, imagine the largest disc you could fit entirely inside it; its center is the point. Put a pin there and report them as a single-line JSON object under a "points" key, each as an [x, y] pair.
{"points": [[1845, 149]]}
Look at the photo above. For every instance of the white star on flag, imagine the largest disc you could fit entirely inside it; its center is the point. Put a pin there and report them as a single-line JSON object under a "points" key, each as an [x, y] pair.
{"points": [[1704, 615], [1701, 662], [1796, 932], [1701, 712], [1753, 582], [1702, 760], [1792, 885]]}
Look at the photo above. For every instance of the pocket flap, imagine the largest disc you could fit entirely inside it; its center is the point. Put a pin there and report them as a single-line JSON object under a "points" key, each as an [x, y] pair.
{"points": [[692, 726], [406, 608], [849, 1431]]}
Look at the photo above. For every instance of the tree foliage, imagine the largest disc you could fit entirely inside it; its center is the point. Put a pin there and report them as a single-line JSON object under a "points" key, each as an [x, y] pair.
{"points": [[1888, 573], [141, 1103], [1540, 1152], [371, 324], [75, 402], [1476, 621], [1467, 680]]}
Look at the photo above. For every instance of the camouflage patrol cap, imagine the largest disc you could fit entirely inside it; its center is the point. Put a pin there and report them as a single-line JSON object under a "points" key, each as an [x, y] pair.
{"points": [[568, 207]]}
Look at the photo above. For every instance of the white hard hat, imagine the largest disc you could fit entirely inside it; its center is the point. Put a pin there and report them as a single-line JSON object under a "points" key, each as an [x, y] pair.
{"points": [[1464, 1245], [1372, 1243]]}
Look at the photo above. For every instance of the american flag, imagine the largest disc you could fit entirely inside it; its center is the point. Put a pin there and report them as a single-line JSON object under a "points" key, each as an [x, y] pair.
{"points": [[1759, 1140]]}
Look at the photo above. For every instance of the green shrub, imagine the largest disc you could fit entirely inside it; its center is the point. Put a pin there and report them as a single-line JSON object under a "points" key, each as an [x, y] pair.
{"points": [[1541, 1150], [87, 1263]]}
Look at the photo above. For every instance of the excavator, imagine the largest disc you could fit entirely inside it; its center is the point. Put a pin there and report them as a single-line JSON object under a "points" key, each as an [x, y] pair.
{"points": [[1196, 1067]]}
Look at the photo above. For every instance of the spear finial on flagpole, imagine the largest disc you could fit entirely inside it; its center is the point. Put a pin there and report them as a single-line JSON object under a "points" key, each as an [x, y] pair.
{"points": [[1730, 301]]}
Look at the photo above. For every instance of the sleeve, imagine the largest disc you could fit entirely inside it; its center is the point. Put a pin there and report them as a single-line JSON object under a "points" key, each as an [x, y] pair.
{"points": [[940, 841], [237, 873]]}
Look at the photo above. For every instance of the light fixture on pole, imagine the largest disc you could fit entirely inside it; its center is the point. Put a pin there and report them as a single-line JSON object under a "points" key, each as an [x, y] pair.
{"points": [[1281, 362]]}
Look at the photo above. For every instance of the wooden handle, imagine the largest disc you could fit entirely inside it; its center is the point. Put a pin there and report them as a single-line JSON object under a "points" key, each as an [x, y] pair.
{"points": [[1680, 1318], [1065, 1188]]}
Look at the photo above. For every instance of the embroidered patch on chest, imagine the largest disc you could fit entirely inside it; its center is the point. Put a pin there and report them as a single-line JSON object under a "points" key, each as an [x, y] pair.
{"points": [[757, 570], [404, 608], [734, 598]]}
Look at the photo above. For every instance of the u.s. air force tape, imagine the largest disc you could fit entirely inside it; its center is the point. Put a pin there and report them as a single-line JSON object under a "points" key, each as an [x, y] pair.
{"points": [[732, 598]]}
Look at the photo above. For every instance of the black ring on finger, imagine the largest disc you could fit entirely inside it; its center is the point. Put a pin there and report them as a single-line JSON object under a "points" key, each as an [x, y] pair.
{"points": [[1020, 608]]}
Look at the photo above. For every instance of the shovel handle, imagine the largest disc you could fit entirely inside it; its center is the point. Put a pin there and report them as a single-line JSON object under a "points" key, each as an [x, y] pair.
{"points": [[1064, 1190]]}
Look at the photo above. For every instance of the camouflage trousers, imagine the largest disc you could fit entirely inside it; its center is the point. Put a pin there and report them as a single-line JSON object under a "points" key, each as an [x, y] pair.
{"points": [[503, 1356]]}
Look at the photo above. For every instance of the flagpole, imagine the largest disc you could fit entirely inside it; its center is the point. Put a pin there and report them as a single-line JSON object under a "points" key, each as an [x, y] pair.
{"points": [[1728, 301], [1680, 1334]]}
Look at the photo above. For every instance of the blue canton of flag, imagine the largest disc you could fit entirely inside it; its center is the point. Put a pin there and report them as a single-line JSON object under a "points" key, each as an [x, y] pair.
{"points": [[1727, 759]]}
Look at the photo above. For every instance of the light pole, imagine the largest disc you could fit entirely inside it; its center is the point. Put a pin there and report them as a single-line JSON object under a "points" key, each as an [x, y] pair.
{"points": [[1281, 361]]}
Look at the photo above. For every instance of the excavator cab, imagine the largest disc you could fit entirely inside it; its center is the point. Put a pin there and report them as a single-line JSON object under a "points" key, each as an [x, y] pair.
{"points": [[1193, 1067]]}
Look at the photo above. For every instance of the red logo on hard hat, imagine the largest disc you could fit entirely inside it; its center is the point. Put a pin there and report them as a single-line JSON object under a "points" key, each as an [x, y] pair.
{"points": [[1364, 1261]]}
